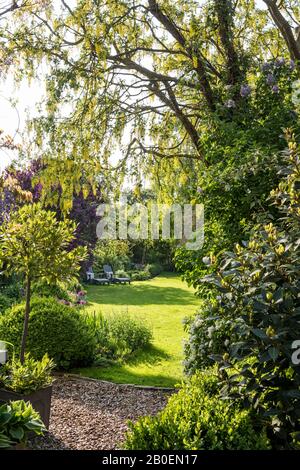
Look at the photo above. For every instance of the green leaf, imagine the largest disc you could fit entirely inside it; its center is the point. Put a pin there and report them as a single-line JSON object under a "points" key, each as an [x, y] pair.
{"points": [[17, 433], [4, 418], [5, 442], [273, 353], [292, 393], [259, 333], [34, 425]]}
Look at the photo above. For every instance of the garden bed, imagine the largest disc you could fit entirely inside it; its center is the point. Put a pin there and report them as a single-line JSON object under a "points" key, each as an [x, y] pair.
{"points": [[93, 415]]}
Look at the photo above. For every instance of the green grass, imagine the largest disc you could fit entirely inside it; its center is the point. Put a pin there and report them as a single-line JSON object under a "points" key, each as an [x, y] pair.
{"points": [[162, 302]]}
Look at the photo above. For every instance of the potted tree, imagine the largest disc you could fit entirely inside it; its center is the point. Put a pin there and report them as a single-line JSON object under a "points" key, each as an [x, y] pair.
{"points": [[35, 245]]}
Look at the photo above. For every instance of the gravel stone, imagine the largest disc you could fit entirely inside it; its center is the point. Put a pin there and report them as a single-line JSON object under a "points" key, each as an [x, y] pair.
{"points": [[93, 415]]}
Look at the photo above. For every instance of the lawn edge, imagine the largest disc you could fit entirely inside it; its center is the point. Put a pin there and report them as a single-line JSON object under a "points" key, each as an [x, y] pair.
{"points": [[91, 379]]}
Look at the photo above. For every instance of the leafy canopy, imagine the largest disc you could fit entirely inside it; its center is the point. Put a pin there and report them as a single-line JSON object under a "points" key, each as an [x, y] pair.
{"points": [[158, 71], [35, 244]]}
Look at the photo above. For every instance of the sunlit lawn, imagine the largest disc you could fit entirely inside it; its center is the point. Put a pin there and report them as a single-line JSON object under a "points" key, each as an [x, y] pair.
{"points": [[162, 302]]}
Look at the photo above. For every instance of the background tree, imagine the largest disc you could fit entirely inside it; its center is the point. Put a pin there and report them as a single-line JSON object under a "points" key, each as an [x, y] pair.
{"points": [[10, 6], [83, 211], [35, 244], [286, 17], [113, 252], [158, 70], [192, 95]]}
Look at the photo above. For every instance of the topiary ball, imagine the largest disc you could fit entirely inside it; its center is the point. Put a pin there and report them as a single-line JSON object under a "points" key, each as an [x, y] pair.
{"points": [[56, 329]]}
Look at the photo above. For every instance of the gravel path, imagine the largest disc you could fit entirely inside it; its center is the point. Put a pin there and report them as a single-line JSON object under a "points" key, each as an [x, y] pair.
{"points": [[93, 415]]}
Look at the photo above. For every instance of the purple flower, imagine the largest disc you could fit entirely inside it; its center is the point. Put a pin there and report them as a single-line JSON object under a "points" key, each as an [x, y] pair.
{"points": [[266, 66], [292, 65], [230, 104], [270, 79], [245, 91], [275, 89], [279, 62], [8, 61], [81, 293], [200, 191]]}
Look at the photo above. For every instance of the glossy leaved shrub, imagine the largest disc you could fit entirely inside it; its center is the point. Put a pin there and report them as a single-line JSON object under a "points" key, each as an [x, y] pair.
{"points": [[252, 327]]}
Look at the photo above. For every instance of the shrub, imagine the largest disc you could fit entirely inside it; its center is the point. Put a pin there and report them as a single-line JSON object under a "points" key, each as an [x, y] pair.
{"points": [[99, 325], [55, 329], [122, 273], [208, 334], [5, 302], [13, 291], [259, 302], [73, 286], [196, 418], [154, 269], [28, 377], [43, 289], [128, 334], [119, 335], [140, 275], [17, 420], [112, 252]]}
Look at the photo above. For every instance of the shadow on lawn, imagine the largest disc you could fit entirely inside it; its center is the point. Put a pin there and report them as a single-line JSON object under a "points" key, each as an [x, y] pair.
{"points": [[139, 294], [151, 355], [120, 373]]}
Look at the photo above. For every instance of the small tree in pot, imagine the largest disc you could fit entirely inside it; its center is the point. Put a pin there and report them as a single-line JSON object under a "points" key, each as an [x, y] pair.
{"points": [[34, 244]]}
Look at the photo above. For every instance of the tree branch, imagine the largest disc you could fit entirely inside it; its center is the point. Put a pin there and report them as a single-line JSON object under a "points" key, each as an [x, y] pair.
{"points": [[224, 12], [171, 102], [198, 63], [150, 74], [285, 29], [152, 151], [14, 6]]}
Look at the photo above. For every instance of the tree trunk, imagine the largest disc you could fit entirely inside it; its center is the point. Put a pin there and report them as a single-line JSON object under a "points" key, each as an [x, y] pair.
{"points": [[26, 319], [144, 254], [285, 29]]}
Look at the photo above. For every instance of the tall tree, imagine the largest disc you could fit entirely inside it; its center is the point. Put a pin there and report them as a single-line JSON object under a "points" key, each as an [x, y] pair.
{"points": [[154, 71], [191, 94]]}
